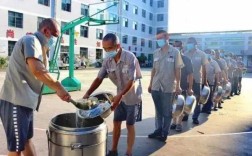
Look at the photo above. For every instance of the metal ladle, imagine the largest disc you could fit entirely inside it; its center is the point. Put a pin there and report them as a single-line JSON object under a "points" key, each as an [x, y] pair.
{"points": [[79, 105]]}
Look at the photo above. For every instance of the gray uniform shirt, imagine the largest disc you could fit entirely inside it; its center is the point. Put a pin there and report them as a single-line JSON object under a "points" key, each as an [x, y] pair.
{"points": [[240, 65], [223, 66], [121, 73], [20, 86], [198, 60], [212, 68], [231, 68], [164, 66]]}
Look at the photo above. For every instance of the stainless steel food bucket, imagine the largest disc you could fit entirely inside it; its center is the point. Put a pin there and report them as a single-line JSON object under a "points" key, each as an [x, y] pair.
{"points": [[66, 137], [190, 104], [178, 106], [204, 95]]}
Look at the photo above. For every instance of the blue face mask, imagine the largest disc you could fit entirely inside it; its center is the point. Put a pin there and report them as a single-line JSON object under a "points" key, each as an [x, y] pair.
{"points": [[209, 56], [51, 41], [222, 55], [190, 46], [110, 54], [161, 42]]}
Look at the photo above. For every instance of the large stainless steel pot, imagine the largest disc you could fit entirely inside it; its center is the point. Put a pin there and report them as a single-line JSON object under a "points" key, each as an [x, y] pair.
{"points": [[204, 95], [67, 138], [190, 104], [178, 106]]}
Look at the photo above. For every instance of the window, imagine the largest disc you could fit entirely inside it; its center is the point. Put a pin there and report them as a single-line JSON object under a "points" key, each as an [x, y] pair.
{"points": [[40, 19], [112, 17], [135, 10], [44, 2], [125, 39], [142, 42], [84, 31], [160, 17], [126, 5], [160, 3], [150, 16], [144, 13], [84, 10], [143, 27], [98, 54], [151, 2], [99, 34], [62, 25], [15, 19], [134, 40], [134, 25], [84, 52], [150, 30], [159, 28], [64, 49], [100, 15], [144, 1], [150, 44], [66, 5], [11, 45], [125, 22]]}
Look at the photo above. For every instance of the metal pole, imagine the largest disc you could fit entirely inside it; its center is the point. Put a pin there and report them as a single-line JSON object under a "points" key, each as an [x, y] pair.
{"points": [[119, 26], [53, 9], [71, 52]]}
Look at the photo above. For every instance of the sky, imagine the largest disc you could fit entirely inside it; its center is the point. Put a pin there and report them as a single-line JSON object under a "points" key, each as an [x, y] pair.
{"points": [[209, 15]]}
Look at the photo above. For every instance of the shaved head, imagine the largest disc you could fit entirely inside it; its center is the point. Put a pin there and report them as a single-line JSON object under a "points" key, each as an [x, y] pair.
{"points": [[52, 25]]}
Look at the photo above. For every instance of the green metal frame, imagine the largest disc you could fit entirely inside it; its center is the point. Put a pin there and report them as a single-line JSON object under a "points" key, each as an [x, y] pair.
{"points": [[71, 83]]}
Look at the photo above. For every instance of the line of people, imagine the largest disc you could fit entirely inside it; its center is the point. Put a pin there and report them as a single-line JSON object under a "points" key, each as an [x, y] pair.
{"points": [[176, 70], [193, 70]]}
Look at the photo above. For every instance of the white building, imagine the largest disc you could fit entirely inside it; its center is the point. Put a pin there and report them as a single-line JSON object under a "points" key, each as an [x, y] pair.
{"points": [[139, 21], [239, 43]]}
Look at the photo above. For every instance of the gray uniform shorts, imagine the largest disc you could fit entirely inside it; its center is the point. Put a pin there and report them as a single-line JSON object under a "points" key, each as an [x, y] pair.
{"points": [[18, 125], [125, 112]]}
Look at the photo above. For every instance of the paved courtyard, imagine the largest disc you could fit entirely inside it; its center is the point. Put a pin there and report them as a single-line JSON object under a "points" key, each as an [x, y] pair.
{"points": [[227, 132]]}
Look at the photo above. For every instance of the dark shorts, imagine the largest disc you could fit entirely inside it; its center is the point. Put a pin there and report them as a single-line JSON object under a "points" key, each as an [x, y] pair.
{"points": [[18, 125], [125, 112]]}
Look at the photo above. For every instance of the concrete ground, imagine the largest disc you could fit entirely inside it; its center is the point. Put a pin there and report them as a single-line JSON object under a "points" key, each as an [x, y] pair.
{"points": [[226, 132]]}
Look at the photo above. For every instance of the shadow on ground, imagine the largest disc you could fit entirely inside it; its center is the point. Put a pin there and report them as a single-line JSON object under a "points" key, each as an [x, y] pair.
{"points": [[143, 145]]}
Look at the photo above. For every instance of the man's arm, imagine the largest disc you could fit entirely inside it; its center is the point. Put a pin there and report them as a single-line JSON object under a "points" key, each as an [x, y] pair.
{"points": [[217, 78], [204, 75], [190, 84], [224, 75], [96, 83], [39, 71], [152, 75], [116, 100], [178, 78]]}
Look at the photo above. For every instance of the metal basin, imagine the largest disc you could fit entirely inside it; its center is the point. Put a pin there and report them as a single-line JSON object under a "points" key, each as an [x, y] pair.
{"points": [[190, 104], [227, 88], [204, 95], [217, 94], [178, 106]]}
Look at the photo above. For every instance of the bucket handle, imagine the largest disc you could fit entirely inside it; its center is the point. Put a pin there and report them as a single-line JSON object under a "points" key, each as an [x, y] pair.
{"points": [[81, 146]]}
